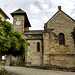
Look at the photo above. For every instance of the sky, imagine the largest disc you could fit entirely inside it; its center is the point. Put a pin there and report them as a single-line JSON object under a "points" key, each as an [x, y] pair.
{"points": [[38, 11]]}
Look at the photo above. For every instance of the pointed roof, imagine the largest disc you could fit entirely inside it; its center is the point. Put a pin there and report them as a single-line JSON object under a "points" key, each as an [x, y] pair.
{"points": [[19, 11], [59, 9], [1, 11]]}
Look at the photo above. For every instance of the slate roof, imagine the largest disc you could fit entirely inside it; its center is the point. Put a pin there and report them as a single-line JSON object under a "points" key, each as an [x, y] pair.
{"points": [[35, 37], [1, 11], [34, 34], [20, 12]]}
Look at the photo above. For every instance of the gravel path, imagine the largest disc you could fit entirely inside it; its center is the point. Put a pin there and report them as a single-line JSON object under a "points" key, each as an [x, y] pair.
{"points": [[31, 71]]}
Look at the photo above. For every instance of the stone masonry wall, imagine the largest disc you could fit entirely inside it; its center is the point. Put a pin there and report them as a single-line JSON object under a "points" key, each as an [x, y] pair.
{"points": [[34, 58], [20, 27], [63, 60], [61, 23], [55, 54]]}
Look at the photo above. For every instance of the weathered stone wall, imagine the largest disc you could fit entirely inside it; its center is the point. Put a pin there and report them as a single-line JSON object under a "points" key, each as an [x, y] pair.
{"points": [[55, 54], [61, 23], [34, 58], [63, 60], [20, 27]]}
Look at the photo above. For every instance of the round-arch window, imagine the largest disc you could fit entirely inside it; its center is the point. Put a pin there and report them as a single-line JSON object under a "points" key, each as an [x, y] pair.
{"points": [[61, 39]]}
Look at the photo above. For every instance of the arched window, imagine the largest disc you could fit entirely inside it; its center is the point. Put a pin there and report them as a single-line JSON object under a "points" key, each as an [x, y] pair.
{"points": [[61, 39], [38, 46]]}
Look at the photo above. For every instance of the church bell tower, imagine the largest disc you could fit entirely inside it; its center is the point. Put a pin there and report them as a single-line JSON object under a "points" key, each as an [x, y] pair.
{"points": [[20, 21]]}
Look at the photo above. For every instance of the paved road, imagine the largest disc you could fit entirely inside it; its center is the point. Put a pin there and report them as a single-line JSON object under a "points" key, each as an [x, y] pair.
{"points": [[31, 71]]}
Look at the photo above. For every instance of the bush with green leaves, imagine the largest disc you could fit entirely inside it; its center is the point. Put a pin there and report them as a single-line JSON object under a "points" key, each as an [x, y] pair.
{"points": [[2, 72]]}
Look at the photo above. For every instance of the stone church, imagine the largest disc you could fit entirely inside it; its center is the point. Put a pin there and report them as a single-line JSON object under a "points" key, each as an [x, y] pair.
{"points": [[53, 46]]}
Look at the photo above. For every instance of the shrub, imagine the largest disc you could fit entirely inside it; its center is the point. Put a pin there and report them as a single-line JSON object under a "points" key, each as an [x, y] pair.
{"points": [[2, 72]]}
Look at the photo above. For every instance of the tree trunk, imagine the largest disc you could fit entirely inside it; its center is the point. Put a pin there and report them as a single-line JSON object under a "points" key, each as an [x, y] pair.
{"points": [[0, 59]]}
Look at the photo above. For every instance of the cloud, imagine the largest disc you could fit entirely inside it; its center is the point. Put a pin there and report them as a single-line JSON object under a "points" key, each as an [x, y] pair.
{"points": [[34, 9], [38, 11]]}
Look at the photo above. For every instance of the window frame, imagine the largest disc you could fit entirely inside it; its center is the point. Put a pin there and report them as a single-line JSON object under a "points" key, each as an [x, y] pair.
{"points": [[38, 46], [61, 39]]}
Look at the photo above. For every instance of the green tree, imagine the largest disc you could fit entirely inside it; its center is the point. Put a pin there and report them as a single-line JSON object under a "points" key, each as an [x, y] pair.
{"points": [[11, 42]]}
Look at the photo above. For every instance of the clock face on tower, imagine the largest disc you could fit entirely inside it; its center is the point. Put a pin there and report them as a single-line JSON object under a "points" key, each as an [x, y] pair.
{"points": [[17, 22]]}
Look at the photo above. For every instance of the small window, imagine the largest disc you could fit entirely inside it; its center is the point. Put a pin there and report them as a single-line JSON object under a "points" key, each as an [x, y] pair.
{"points": [[38, 46], [61, 39]]}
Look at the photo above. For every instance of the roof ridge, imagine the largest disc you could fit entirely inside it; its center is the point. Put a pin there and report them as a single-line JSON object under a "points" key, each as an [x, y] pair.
{"points": [[56, 13], [18, 11], [4, 13], [68, 16], [52, 17]]}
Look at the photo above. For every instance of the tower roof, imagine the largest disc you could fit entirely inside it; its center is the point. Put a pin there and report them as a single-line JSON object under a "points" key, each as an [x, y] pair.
{"points": [[19, 11], [4, 14]]}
